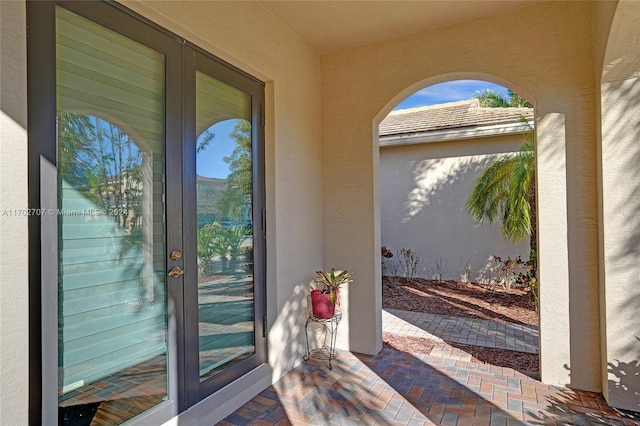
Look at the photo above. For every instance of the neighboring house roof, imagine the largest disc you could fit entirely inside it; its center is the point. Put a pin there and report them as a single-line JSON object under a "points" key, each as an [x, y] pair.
{"points": [[455, 120], [210, 180]]}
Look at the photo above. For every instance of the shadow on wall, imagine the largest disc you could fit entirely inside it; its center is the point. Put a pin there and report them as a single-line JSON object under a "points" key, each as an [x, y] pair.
{"points": [[286, 335], [434, 178], [621, 192], [621, 142], [620, 92], [627, 374]]}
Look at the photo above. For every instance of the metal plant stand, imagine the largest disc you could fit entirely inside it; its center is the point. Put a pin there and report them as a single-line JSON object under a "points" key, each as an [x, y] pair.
{"points": [[330, 326]]}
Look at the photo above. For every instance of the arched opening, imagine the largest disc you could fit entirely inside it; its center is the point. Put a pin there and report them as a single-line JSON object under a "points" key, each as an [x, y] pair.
{"points": [[441, 269]]}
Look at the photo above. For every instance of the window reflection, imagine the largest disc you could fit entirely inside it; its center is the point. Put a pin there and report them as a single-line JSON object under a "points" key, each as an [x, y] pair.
{"points": [[225, 245], [112, 302]]}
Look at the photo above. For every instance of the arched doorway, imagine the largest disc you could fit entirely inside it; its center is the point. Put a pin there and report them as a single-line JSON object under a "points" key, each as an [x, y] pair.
{"points": [[430, 158]]}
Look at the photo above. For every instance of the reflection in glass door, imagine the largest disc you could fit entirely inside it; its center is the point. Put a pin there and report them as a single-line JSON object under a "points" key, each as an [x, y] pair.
{"points": [[224, 185], [112, 290]]}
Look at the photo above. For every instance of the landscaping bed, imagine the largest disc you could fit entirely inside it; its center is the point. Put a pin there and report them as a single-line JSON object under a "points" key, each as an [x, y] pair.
{"points": [[460, 300]]}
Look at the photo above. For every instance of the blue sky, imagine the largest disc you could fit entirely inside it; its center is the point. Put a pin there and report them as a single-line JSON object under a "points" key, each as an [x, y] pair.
{"points": [[209, 162], [449, 91]]}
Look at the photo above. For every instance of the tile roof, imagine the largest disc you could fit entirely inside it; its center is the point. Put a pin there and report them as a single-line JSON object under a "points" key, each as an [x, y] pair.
{"points": [[454, 115]]}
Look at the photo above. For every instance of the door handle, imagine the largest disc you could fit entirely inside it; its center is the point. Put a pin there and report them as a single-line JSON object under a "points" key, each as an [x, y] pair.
{"points": [[175, 272]]}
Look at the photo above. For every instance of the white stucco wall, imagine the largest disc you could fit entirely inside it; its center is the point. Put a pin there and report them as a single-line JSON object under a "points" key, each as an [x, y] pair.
{"points": [[603, 14], [547, 58], [620, 220], [423, 194], [14, 297]]}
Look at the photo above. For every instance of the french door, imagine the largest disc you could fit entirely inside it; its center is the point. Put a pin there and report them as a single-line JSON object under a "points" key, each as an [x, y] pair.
{"points": [[224, 232], [146, 168]]}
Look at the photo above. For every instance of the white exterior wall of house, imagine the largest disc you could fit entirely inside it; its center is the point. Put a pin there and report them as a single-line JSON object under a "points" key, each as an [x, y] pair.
{"points": [[619, 149], [423, 193], [14, 286]]}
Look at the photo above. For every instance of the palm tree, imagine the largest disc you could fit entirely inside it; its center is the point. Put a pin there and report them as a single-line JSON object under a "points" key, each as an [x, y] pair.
{"points": [[490, 99], [506, 190]]}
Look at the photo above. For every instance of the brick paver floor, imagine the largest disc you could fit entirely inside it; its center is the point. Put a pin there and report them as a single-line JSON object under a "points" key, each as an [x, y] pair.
{"points": [[442, 388], [398, 388], [469, 331]]}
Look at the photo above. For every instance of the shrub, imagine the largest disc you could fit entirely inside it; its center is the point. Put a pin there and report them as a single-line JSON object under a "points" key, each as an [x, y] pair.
{"points": [[465, 275], [410, 262], [527, 277], [389, 267], [439, 270]]}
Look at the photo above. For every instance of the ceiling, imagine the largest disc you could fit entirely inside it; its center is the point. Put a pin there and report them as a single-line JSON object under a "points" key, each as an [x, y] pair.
{"points": [[331, 26]]}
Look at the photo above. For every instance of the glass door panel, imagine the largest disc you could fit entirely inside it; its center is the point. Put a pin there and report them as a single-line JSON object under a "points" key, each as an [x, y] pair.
{"points": [[112, 289], [224, 185]]}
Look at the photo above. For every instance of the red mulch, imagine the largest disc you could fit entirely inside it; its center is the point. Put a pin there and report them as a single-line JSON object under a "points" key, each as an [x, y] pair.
{"points": [[462, 300]]}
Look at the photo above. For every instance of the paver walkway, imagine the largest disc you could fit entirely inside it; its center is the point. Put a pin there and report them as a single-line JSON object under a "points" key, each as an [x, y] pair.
{"points": [[398, 388], [470, 331]]}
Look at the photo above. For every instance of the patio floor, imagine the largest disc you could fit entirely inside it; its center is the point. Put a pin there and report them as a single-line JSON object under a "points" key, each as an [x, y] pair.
{"points": [[398, 388]]}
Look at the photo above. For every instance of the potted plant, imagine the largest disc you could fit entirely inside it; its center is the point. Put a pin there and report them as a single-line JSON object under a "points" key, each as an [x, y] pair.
{"points": [[325, 298]]}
